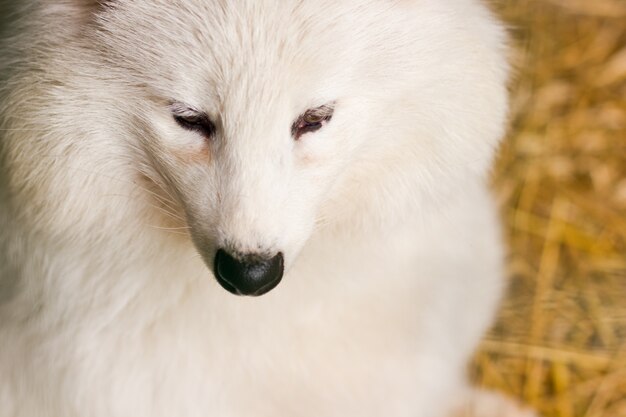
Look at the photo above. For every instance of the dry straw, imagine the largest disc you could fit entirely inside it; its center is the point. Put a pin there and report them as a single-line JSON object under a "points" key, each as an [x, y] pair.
{"points": [[560, 341]]}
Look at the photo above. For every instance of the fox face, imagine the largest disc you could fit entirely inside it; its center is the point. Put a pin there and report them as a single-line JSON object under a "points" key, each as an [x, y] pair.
{"points": [[254, 111], [260, 120]]}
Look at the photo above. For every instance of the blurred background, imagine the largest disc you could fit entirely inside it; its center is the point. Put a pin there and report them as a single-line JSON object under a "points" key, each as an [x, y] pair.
{"points": [[560, 342]]}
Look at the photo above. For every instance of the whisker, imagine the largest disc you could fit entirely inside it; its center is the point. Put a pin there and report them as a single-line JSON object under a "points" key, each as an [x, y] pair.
{"points": [[172, 228], [168, 230], [170, 214]]}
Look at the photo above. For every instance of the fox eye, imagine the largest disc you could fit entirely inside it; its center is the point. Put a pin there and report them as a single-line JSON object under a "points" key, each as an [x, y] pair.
{"points": [[193, 120], [312, 120]]}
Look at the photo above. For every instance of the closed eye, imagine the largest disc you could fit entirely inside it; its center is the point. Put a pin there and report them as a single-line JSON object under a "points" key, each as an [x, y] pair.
{"points": [[193, 120], [312, 120]]}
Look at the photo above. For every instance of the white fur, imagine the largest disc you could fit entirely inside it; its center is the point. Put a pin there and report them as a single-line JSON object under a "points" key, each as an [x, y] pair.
{"points": [[108, 207]]}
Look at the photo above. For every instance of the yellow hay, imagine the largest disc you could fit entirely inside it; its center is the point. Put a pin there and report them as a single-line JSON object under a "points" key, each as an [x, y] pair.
{"points": [[560, 341]]}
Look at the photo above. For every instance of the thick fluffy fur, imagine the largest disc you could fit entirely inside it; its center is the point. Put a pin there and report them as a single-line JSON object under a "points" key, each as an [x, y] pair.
{"points": [[110, 211]]}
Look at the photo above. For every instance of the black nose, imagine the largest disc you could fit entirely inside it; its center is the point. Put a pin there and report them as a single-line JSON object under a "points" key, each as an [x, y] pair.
{"points": [[248, 275]]}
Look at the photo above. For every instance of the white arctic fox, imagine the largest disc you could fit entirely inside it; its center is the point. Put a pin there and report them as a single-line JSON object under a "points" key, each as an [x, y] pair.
{"points": [[159, 156]]}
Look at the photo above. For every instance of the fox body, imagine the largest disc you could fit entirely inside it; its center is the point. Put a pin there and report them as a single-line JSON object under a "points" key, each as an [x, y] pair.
{"points": [[341, 146]]}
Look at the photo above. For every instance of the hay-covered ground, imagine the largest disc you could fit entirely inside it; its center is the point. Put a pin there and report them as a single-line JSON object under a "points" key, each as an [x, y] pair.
{"points": [[560, 342]]}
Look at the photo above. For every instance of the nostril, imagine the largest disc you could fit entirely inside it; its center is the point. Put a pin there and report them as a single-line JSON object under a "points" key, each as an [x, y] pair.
{"points": [[248, 274]]}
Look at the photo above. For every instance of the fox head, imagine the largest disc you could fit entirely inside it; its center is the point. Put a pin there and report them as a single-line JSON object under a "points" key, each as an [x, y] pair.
{"points": [[260, 121]]}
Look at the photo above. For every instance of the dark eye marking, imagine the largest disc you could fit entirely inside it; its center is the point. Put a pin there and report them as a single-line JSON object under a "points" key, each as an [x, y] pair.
{"points": [[312, 120], [193, 120]]}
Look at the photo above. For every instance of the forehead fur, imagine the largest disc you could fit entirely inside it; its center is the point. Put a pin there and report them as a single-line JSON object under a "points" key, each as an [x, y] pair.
{"points": [[226, 43]]}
